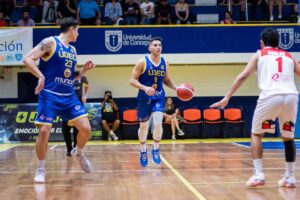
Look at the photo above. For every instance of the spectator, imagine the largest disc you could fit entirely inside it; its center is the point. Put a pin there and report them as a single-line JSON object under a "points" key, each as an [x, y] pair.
{"points": [[7, 7], [163, 13], [110, 115], [2, 20], [171, 115], [131, 12], [38, 4], [26, 20], [11, 22], [49, 11], [182, 12], [66, 9], [147, 12], [81, 87], [228, 18], [88, 12], [271, 5], [113, 13]]}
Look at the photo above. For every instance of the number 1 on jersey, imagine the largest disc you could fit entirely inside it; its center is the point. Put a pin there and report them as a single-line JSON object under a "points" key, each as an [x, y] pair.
{"points": [[279, 61]]}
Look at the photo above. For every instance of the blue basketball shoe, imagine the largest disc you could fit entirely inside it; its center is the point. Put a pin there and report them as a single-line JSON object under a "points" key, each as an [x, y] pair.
{"points": [[156, 156], [144, 158]]}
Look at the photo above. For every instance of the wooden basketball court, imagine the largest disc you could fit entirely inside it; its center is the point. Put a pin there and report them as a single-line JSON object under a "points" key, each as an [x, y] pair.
{"points": [[190, 170]]}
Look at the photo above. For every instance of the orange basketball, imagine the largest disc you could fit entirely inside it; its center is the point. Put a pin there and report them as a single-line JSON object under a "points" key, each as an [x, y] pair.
{"points": [[185, 92]]}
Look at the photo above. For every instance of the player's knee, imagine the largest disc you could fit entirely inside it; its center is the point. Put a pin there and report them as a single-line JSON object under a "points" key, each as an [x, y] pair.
{"points": [[44, 132], [157, 118], [86, 129]]}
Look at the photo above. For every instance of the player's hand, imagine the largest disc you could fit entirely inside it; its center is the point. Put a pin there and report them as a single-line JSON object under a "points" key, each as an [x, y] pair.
{"points": [[83, 99], [88, 65], [150, 91], [40, 85], [220, 104]]}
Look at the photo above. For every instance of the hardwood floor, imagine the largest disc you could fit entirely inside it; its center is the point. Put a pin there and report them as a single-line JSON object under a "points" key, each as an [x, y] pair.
{"points": [[214, 171]]}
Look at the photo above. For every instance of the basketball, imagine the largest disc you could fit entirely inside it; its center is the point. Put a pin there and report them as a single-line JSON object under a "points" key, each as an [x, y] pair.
{"points": [[185, 92]]}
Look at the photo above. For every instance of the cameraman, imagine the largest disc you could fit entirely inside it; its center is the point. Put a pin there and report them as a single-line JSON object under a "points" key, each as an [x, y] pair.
{"points": [[110, 115]]}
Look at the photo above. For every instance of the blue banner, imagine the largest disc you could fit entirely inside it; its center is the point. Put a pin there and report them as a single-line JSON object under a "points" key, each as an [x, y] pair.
{"points": [[176, 40]]}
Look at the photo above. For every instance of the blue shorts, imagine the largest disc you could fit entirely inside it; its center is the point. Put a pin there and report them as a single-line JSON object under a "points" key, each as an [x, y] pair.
{"points": [[69, 108], [146, 107]]}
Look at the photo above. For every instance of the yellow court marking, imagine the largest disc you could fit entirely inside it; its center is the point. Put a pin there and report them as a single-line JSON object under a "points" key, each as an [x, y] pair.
{"points": [[183, 180]]}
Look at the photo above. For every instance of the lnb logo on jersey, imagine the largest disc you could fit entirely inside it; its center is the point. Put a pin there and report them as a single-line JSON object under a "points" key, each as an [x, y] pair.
{"points": [[115, 40], [287, 37]]}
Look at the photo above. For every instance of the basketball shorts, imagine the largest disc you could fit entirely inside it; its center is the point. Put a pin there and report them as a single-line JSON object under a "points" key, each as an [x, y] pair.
{"points": [[69, 108], [283, 106], [146, 107]]}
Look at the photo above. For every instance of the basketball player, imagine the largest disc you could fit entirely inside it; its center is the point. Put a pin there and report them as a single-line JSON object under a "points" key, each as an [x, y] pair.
{"points": [[278, 98], [149, 75], [56, 92]]}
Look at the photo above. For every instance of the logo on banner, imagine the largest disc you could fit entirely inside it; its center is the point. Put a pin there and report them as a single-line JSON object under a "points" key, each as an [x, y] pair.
{"points": [[286, 39], [18, 56], [113, 40]]}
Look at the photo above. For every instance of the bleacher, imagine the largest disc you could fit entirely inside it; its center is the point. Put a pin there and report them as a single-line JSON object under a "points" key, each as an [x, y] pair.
{"points": [[202, 12]]}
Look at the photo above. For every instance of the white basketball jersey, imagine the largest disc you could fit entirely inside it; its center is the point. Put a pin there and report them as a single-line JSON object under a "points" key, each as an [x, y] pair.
{"points": [[275, 69]]}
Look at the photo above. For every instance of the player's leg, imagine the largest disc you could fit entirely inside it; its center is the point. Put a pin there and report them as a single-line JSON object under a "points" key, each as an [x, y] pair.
{"points": [[287, 119], [264, 118], [66, 130], [143, 117], [75, 133]]}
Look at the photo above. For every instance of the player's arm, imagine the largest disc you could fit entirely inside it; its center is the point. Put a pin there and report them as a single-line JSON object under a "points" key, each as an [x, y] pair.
{"points": [[167, 80], [240, 79], [297, 68], [43, 48], [134, 79]]}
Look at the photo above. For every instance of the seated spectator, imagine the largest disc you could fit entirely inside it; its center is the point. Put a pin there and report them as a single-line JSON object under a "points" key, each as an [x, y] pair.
{"points": [[171, 115], [26, 20], [66, 9], [10, 23], [163, 12], [7, 7], [2, 20], [182, 12], [296, 10], [131, 12], [38, 4], [88, 12], [147, 12], [49, 11], [110, 115], [113, 13], [271, 5], [228, 18]]}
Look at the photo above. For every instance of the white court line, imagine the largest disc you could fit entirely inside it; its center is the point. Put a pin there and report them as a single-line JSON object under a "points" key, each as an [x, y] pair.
{"points": [[53, 147], [241, 145], [8, 148]]}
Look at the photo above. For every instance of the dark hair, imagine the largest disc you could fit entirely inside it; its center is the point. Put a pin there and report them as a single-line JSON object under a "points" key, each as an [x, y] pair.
{"points": [[230, 14], [67, 23], [107, 91], [270, 37], [155, 39], [76, 73]]}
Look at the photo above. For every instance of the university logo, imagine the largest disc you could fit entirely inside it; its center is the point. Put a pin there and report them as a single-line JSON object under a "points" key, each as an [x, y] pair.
{"points": [[286, 39], [113, 40], [18, 56]]}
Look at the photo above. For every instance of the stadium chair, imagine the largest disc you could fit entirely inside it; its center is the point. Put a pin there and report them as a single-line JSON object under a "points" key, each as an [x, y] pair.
{"points": [[212, 123], [234, 125], [130, 124], [192, 125]]}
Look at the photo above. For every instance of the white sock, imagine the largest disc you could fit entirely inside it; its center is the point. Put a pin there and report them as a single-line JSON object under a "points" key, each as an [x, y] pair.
{"points": [[155, 145], [78, 151], [41, 164], [289, 166], [143, 147], [258, 165]]}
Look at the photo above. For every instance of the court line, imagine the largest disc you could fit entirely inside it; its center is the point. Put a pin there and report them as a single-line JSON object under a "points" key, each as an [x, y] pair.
{"points": [[5, 149], [54, 147], [183, 180]]}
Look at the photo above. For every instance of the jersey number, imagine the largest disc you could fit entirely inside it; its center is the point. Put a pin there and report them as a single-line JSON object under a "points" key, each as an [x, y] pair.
{"points": [[68, 63], [279, 64]]}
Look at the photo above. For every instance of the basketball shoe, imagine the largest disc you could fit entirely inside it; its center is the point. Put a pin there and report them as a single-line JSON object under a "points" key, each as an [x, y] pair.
{"points": [[289, 182], [83, 161], [39, 175], [256, 180], [144, 158], [156, 156]]}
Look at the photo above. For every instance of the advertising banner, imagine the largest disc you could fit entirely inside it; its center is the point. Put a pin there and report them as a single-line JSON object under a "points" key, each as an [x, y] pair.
{"points": [[17, 122], [14, 45]]}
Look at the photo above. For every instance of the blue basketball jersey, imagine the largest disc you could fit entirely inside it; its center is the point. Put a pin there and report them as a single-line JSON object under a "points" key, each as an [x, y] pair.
{"points": [[58, 68], [153, 76]]}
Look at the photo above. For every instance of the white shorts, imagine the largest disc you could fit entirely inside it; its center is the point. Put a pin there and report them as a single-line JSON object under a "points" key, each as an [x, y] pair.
{"points": [[283, 106]]}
